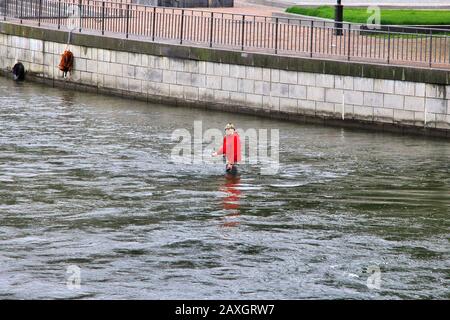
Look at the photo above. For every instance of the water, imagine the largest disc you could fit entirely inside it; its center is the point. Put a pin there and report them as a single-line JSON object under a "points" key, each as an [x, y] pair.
{"points": [[88, 181]]}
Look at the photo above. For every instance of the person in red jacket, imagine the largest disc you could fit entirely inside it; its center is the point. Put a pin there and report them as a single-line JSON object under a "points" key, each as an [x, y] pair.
{"points": [[231, 148]]}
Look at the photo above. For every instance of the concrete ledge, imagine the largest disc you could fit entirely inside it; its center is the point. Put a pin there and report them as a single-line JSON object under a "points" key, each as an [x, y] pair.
{"points": [[279, 115], [344, 68]]}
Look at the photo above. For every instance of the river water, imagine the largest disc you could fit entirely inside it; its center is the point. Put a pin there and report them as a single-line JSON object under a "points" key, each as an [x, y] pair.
{"points": [[87, 181]]}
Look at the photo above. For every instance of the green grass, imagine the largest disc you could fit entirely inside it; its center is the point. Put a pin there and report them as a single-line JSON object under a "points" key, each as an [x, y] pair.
{"points": [[388, 16]]}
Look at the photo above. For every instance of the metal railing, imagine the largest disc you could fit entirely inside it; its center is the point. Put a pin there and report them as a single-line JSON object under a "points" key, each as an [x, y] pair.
{"points": [[283, 36]]}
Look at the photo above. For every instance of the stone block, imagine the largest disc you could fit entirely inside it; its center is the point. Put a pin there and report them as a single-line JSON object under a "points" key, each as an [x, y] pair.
{"points": [[135, 59], [247, 86], [274, 75], [288, 105], [190, 93], [199, 80], [419, 90], [297, 91], [405, 88], [324, 108], [237, 97], [135, 85], [280, 90], [229, 84], [363, 84], [436, 105], [176, 64], [184, 78], [315, 93], [373, 99], [121, 57], [307, 79], [266, 74], [271, 103], [306, 107], [353, 97], [289, 77], [435, 91], [343, 82], [221, 96], [414, 103], [176, 91], [237, 71], [114, 69], [157, 88], [191, 66], [393, 101], [122, 83], [254, 73], [334, 95], [403, 115], [254, 100], [363, 111], [325, 80], [383, 115], [214, 82], [443, 121], [169, 76], [128, 71], [383, 86], [222, 69]]}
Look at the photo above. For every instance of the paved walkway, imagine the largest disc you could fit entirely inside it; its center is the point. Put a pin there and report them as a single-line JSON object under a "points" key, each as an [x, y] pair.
{"points": [[245, 7]]}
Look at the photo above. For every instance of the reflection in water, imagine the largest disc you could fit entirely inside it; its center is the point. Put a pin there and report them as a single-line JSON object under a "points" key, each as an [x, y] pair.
{"points": [[231, 201]]}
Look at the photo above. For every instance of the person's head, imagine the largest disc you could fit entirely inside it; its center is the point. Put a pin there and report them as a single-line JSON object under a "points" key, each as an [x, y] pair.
{"points": [[16, 61], [229, 129]]}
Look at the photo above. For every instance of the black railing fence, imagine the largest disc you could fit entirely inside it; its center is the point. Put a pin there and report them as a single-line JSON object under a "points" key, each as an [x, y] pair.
{"points": [[412, 46]]}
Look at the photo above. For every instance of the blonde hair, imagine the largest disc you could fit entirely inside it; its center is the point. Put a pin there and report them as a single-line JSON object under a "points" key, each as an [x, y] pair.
{"points": [[229, 126]]}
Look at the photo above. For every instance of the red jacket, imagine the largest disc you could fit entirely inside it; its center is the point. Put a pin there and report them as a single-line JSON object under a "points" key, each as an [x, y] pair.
{"points": [[231, 148]]}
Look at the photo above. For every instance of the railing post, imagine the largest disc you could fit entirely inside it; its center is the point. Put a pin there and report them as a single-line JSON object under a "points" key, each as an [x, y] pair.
{"points": [[348, 43], [211, 30], [389, 45], [431, 46], [128, 20], [6, 8], [243, 32], [103, 17], [80, 5], [276, 35], [154, 24], [21, 11], [182, 26], [311, 39], [39, 13], [59, 14]]}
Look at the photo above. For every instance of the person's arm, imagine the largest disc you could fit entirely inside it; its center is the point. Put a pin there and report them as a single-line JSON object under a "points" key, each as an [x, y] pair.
{"points": [[220, 151]]}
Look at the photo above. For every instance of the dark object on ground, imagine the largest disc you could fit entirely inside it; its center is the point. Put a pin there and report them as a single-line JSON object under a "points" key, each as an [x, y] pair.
{"points": [[18, 72]]}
